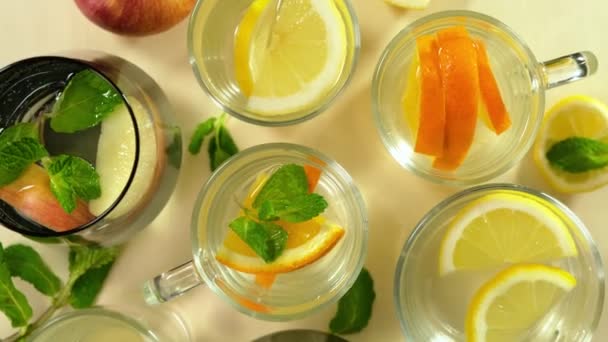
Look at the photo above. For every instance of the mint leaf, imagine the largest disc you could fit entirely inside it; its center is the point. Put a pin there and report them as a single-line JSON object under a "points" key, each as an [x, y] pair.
{"points": [[202, 131], [296, 209], [355, 308], [85, 102], [72, 178], [24, 262], [174, 151], [12, 302], [16, 156], [88, 286], [221, 148], [266, 239], [287, 182], [84, 258], [577, 154], [18, 132]]}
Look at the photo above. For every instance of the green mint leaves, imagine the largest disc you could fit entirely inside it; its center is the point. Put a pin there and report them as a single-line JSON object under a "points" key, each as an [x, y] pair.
{"points": [[577, 155], [355, 308], [18, 132], [16, 156], [12, 302], [72, 178], [285, 197], [266, 239], [89, 267], [221, 144], [85, 102], [299, 208], [24, 262]]}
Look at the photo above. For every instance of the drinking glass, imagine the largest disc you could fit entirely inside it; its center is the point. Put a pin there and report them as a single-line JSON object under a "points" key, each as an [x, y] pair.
{"points": [[521, 78], [433, 308], [113, 324], [30, 84], [294, 294], [210, 39]]}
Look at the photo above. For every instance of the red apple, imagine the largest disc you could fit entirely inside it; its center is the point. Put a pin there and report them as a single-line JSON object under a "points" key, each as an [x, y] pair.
{"points": [[31, 196], [135, 17]]}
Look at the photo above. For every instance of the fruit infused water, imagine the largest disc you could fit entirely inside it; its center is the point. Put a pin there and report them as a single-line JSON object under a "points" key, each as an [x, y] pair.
{"points": [[499, 264], [81, 151], [282, 61]]}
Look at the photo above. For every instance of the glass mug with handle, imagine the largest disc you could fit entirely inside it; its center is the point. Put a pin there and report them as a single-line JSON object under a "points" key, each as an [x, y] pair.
{"points": [[281, 296], [521, 78]]}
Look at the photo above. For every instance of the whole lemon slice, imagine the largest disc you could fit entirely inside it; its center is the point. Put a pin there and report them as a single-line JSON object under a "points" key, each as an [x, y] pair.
{"points": [[507, 306], [575, 116], [286, 64], [501, 228]]}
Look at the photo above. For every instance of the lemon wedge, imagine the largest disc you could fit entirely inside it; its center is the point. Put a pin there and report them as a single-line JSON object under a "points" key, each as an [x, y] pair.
{"points": [[507, 306], [285, 65], [575, 116], [501, 228]]}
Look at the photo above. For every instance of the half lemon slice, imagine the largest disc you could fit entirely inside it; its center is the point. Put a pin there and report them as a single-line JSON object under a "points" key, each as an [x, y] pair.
{"points": [[285, 65], [507, 306], [574, 116], [503, 228]]}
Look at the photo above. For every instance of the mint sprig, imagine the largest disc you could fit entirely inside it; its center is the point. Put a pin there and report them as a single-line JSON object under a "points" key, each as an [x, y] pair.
{"points": [[285, 197], [89, 267], [266, 239], [72, 178], [355, 308], [16, 156], [86, 100], [221, 145], [578, 154]]}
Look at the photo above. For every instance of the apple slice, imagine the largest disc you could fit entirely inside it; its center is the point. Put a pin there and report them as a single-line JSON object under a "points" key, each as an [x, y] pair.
{"points": [[31, 196], [116, 155]]}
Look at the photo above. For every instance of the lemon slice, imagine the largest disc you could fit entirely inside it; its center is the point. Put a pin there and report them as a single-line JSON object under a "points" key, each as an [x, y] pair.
{"points": [[503, 228], [507, 306], [303, 248], [579, 116], [285, 66], [417, 4]]}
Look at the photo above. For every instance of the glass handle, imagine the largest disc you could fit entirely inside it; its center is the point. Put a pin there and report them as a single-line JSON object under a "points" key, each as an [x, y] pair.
{"points": [[171, 284], [569, 68]]}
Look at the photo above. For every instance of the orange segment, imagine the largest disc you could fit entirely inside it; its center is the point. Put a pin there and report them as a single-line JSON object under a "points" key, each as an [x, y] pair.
{"points": [[265, 280], [458, 66], [313, 175], [490, 93], [430, 138]]}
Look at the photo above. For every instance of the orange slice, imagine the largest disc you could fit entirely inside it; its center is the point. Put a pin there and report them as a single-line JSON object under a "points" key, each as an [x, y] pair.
{"points": [[430, 136], [490, 93], [307, 241], [294, 256], [458, 66]]}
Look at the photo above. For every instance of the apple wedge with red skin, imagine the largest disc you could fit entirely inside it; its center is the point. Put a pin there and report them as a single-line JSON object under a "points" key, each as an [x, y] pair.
{"points": [[31, 196], [135, 17]]}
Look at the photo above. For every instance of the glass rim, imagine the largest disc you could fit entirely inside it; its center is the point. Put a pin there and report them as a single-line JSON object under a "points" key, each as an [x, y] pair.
{"points": [[441, 206], [89, 65], [226, 167], [93, 311], [378, 115], [276, 123]]}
